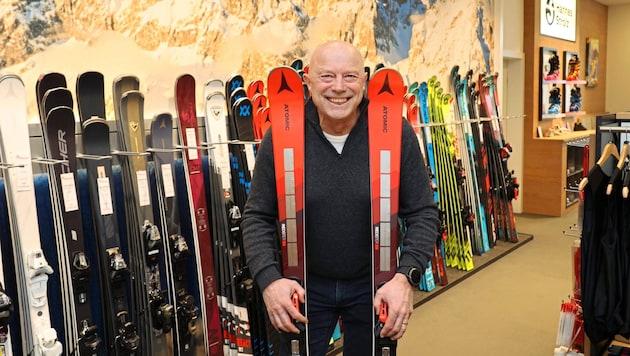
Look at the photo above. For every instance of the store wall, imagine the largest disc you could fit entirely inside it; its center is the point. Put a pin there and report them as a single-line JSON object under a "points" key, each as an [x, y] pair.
{"points": [[617, 94], [513, 76], [592, 20]]}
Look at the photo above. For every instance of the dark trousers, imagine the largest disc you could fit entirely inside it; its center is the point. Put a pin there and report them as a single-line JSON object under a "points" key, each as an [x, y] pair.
{"points": [[327, 301]]}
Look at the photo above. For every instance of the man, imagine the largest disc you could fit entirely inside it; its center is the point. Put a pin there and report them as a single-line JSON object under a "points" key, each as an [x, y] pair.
{"points": [[337, 208]]}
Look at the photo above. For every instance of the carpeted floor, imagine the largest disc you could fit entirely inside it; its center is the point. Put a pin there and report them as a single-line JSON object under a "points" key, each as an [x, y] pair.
{"points": [[510, 307]]}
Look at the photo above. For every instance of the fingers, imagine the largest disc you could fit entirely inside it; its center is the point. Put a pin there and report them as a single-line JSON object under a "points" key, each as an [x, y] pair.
{"points": [[278, 298], [396, 325]]}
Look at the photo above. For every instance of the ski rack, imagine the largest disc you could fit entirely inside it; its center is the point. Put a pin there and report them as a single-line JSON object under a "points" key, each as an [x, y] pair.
{"points": [[8, 165], [93, 157], [615, 129], [130, 154], [48, 161], [460, 122]]}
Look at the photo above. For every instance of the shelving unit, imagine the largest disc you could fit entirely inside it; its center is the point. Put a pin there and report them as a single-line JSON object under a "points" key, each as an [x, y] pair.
{"points": [[575, 169], [548, 173]]}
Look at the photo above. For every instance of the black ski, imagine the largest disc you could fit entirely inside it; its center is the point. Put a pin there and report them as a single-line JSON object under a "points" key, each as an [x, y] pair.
{"points": [[120, 333], [188, 339]]}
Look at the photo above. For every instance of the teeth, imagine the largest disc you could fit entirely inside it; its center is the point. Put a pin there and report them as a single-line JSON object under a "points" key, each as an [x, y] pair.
{"points": [[338, 100]]}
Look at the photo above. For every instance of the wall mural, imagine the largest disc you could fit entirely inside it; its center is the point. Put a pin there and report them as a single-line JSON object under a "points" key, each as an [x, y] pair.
{"points": [[158, 40]]}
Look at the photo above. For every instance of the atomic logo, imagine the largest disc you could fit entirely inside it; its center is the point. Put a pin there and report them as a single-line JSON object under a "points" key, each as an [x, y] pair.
{"points": [[284, 85], [386, 87]]}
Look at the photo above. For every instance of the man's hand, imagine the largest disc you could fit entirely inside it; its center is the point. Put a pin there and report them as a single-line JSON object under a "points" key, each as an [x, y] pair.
{"points": [[398, 294], [279, 305]]}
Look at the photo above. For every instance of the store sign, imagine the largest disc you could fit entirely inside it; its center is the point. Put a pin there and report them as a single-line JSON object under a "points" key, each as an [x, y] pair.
{"points": [[557, 19]]}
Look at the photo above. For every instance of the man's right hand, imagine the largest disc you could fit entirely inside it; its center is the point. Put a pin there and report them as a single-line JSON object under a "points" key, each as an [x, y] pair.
{"points": [[280, 307]]}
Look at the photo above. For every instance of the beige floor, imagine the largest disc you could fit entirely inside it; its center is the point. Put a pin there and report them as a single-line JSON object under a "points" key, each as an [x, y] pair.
{"points": [[509, 308]]}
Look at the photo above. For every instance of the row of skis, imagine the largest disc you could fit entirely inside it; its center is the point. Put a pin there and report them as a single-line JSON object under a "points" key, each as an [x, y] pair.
{"points": [[460, 130], [139, 249]]}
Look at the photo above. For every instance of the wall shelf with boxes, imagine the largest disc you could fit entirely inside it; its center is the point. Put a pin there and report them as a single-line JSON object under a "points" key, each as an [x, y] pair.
{"points": [[560, 95], [555, 163]]}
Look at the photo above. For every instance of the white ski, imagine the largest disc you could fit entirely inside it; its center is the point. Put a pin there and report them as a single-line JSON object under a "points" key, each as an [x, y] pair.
{"points": [[31, 265]]}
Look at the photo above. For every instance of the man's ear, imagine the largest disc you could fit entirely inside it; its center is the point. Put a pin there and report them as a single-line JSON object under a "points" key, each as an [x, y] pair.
{"points": [[307, 80]]}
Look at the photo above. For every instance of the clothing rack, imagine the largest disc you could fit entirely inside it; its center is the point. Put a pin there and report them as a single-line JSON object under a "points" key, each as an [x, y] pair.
{"points": [[610, 128]]}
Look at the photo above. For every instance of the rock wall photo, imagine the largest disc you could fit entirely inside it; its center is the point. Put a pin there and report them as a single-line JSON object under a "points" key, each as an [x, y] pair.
{"points": [[158, 40]]}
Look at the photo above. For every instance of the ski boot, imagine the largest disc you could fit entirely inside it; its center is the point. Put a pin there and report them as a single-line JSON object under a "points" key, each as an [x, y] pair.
{"points": [[574, 68], [554, 68], [576, 100], [554, 101]]}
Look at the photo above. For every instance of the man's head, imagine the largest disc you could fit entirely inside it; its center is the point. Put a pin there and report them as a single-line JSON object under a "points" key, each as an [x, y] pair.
{"points": [[336, 81]]}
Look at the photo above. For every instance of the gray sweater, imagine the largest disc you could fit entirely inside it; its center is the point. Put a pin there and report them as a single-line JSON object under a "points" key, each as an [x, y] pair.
{"points": [[337, 205]]}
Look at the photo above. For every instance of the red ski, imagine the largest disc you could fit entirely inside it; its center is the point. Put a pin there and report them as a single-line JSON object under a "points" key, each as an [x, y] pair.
{"points": [[188, 135], [386, 91], [286, 110]]}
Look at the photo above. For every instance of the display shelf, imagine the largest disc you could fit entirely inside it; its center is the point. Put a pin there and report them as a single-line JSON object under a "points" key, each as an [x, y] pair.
{"points": [[550, 170], [574, 113], [570, 136], [554, 81], [455, 276], [553, 116], [574, 82]]}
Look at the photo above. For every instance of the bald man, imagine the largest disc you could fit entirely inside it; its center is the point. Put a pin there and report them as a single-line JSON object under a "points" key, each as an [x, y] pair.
{"points": [[338, 221]]}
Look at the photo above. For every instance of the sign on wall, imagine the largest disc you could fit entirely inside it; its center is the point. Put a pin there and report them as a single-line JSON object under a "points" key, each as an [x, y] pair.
{"points": [[557, 19]]}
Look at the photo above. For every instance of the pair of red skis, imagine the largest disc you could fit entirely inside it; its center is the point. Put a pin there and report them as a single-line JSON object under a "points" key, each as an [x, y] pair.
{"points": [[286, 100]]}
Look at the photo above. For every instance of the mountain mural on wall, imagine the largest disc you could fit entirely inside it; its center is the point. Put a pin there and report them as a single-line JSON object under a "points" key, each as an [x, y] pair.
{"points": [[158, 40]]}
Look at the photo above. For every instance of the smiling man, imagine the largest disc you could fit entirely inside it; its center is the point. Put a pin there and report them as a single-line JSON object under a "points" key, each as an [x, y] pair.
{"points": [[337, 214]]}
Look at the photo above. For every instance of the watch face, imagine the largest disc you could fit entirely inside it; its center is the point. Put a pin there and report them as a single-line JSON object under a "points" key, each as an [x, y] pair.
{"points": [[414, 275]]}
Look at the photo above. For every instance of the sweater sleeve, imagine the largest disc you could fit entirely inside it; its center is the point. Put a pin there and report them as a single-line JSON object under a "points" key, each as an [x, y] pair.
{"points": [[260, 215], [417, 209]]}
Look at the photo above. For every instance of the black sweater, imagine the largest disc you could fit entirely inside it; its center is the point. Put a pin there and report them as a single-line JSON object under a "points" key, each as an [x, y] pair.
{"points": [[337, 205]]}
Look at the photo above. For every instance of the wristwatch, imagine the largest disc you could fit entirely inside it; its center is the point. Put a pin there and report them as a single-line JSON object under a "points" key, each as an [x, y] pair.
{"points": [[413, 275]]}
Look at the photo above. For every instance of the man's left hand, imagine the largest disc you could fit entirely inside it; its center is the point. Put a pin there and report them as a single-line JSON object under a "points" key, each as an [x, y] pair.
{"points": [[398, 294]]}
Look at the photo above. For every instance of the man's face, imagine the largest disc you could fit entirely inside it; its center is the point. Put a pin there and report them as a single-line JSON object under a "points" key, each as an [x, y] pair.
{"points": [[336, 81]]}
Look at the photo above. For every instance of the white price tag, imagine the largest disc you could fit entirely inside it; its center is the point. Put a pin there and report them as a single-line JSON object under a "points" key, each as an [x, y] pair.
{"points": [[105, 196], [69, 192], [23, 180], [144, 196], [167, 177], [191, 140]]}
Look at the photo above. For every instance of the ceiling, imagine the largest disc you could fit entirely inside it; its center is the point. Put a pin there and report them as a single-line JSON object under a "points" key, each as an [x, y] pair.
{"points": [[613, 2]]}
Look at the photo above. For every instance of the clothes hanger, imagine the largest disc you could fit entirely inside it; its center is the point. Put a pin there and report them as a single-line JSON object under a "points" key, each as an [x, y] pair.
{"points": [[621, 162], [609, 150]]}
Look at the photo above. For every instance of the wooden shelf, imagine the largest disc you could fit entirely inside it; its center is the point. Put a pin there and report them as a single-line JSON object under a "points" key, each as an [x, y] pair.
{"points": [[569, 136]]}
